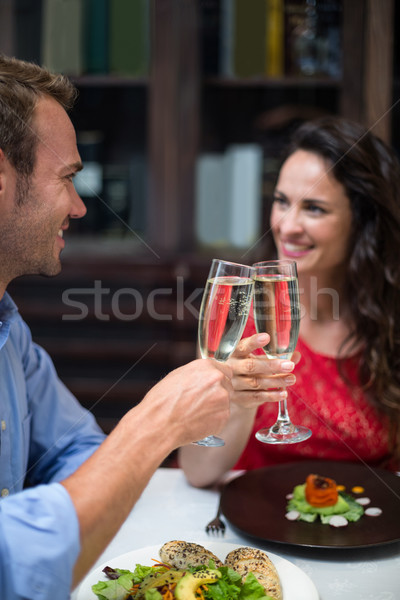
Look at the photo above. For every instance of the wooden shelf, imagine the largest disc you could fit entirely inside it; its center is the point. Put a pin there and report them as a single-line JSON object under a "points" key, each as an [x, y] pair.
{"points": [[109, 81], [169, 120], [272, 82]]}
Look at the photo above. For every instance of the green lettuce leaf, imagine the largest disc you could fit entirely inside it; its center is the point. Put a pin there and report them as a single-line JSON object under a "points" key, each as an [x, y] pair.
{"points": [[120, 589], [252, 589], [228, 587], [114, 589], [152, 594]]}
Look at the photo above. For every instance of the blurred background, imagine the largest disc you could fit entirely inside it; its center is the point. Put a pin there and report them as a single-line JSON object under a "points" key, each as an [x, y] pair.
{"points": [[184, 107]]}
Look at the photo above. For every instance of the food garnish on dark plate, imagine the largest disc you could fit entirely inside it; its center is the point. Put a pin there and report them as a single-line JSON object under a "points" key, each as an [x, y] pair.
{"points": [[321, 498]]}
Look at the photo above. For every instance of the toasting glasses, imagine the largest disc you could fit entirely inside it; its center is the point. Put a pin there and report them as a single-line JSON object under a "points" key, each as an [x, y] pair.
{"points": [[277, 311], [223, 314]]}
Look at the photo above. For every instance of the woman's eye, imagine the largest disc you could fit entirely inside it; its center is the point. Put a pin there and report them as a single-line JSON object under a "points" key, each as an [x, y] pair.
{"points": [[279, 200], [316, 209]]}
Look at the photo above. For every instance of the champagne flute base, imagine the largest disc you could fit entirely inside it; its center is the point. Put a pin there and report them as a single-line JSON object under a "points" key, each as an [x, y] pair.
{"points": [[211, 441], [286, 433]]}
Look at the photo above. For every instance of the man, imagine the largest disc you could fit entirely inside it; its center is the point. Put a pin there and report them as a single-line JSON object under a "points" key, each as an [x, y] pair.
{"points": [[66, 489]]}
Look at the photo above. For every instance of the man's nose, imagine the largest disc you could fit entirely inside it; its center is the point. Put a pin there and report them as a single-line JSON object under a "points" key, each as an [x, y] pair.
{"points": [[78, 209]]}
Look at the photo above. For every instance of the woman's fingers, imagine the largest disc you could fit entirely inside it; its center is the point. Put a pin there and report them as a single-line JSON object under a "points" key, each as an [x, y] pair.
{"points": [[260, 365], [256, 378], [253, 399], [262, 382], [250, 344], [296, 356]]}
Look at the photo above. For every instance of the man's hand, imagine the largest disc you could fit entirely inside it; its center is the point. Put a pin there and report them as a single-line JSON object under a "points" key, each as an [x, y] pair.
{"points": [[193, 400]]}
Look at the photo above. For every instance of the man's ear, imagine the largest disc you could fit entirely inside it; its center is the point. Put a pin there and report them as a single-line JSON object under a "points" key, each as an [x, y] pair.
{"points": [[4, 165], [2, 161]]}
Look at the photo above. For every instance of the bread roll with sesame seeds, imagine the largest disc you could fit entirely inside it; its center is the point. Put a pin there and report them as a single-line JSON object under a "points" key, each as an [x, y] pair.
{"points": [[245, 560], [182, 555]]}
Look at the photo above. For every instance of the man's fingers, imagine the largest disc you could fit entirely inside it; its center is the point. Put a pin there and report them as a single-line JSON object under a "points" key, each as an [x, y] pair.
{"points": [[223, 367]]}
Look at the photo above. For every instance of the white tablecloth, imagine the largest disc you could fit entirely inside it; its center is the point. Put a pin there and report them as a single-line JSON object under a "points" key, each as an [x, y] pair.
{"points": [[170, 508]]}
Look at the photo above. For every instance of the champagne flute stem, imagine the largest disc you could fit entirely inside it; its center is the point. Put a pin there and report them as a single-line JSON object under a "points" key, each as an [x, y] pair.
{"points": [[283, 415], [283, 425]]}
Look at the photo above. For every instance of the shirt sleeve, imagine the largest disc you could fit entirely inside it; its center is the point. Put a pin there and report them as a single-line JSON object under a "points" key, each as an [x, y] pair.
{"points": [[39, 544], [63, 433]]}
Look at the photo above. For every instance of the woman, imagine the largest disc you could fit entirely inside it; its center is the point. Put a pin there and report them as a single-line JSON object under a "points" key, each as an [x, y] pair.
{"points": [[336, 212]]}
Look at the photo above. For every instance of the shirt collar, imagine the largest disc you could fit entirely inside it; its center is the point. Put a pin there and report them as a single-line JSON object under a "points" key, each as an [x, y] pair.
{"points": [[8, 309]]}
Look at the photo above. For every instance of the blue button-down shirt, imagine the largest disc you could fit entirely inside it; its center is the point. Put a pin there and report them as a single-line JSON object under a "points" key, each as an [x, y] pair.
{"points": [[44, 436]]}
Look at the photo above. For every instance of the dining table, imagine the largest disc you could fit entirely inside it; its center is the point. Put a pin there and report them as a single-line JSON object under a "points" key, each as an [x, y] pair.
{"points": [[172, 509]]}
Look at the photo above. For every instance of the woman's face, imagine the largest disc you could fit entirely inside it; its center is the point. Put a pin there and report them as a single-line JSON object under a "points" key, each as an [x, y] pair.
{"points": [[311, 217]]}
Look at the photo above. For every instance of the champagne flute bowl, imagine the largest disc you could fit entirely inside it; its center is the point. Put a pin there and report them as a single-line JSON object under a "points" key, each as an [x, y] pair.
{"points": [[277, 311], [223, 314]]}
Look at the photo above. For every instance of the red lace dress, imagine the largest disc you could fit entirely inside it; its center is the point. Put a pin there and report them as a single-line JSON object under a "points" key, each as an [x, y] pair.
{"points": [[345, 426]]}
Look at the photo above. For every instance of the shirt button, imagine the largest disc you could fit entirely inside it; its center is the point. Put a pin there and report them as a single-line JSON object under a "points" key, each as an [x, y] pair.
{"points": [[3, 425], [4, 492]]}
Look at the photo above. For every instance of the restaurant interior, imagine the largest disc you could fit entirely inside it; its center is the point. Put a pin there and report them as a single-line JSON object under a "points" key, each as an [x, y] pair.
{"points": [[175, 97], [151, 118]]}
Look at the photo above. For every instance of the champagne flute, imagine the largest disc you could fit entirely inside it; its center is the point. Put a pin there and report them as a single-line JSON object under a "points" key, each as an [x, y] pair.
{"points": [[223, 314], [277, 311]]}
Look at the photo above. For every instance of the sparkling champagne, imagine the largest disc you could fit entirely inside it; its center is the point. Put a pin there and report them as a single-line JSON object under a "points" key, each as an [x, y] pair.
{"points": [[223, 315], [277, 312]]}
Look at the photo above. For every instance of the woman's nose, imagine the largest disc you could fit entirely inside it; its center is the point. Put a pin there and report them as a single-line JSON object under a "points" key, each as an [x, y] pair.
{"points": [[289, 222]]}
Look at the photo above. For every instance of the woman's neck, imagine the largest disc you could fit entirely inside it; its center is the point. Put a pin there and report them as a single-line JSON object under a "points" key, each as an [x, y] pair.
{"points": [[322, 297], [324, 323]]}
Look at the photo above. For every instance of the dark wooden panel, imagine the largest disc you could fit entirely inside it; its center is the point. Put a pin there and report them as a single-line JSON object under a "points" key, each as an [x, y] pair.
{"points": [[352, 100], [114, 326]]}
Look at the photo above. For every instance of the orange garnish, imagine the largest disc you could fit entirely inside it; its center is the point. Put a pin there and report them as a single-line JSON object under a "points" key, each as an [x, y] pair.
{"points": [[340, 488], [160, 564], [321, 491], [167, 591], [357, 489]]}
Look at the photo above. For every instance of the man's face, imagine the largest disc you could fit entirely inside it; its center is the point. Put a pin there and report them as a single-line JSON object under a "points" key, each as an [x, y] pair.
{"points": [[35, 212]]}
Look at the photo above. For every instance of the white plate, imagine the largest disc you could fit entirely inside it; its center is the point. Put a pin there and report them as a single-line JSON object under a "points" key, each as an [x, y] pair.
{"points": [[296, 585]]}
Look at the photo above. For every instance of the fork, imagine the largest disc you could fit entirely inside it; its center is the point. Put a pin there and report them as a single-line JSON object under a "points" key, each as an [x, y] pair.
{"points": [[216, 525]]}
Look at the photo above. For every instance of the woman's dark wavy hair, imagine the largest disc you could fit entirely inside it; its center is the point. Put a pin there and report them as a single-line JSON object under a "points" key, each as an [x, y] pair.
{"points": [[370, 173]]}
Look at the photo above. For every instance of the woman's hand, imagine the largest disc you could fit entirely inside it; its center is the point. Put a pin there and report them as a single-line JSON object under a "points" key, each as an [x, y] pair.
{"points": [[256, 378]]}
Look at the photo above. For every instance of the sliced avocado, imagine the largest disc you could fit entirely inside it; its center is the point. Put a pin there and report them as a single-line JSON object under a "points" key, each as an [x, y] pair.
{"points": [[157, 579], [187, 586]]}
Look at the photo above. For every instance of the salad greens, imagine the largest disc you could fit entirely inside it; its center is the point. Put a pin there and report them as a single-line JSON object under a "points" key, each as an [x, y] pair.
{"points": [[346, 506], [125, 584]]}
